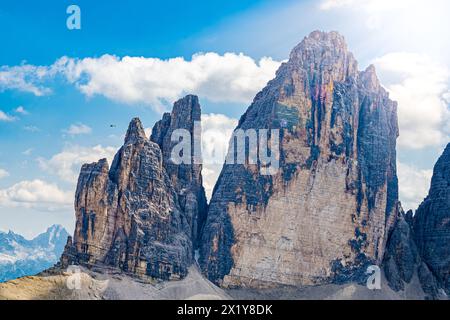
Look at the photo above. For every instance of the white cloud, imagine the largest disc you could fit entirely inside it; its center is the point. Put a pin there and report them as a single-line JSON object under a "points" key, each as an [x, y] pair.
{"points": [[5, 117], [148, 132], [220, 78], [21, 110], [227, 78], [419, 85], [216, 133], [77, 129], [35, 194], [26, 78], [3, 173], [67, 164], [413, 185]]}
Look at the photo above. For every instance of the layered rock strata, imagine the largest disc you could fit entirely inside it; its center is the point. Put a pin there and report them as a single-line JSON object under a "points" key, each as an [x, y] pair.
{"points": [[185, 177], [140, 215], [325, 214]]}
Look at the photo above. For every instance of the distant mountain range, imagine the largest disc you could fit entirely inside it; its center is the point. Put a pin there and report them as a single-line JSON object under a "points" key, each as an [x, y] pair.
{"points": [[323, 219], [327, 213], [21, 257]]}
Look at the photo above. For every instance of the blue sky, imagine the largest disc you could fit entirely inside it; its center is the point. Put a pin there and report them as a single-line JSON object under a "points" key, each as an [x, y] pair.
{"points": [[60, 89]]}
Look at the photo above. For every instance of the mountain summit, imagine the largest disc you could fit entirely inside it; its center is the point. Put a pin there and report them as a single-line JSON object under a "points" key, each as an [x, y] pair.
{"points": [[143, 214], [325, 215]]}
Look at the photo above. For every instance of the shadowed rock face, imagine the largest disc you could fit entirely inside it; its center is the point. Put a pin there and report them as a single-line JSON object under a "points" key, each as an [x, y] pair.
{"points": [[401, 256], [326, 213], [133, 216], [432, 222], [186, 178]]}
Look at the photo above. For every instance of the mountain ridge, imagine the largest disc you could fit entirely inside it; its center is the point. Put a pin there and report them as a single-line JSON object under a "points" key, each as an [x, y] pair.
{"points": [[328, 212], [21, 257]]}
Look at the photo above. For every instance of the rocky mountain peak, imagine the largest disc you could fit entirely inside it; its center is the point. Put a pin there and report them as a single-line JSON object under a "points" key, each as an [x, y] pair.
{"points": [[369, 78], [333, 176], [324, 55], [186, 177], [135, 132], [432, 222], [187, 103], [141, 215], [418, 244]]}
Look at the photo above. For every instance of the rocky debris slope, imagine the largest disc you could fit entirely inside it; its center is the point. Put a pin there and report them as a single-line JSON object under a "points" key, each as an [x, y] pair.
{"points": [[326, 213], [432, 223], [118, 286], [108, 285], [132, 216]]}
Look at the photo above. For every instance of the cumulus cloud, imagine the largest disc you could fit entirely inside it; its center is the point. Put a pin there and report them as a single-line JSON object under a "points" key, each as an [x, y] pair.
{"points": [[220, 78], [35, 194], [5, 117], [67, 164], [3, 173], [419, 85], [216, 133], [77, 129], [152, 81], [413, 185]]}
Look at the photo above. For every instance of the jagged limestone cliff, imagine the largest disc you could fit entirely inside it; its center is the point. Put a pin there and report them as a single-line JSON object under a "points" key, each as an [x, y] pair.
{"points": [[432, 223], [186, 177], [140, 215], [419, 244], [326, 213]]}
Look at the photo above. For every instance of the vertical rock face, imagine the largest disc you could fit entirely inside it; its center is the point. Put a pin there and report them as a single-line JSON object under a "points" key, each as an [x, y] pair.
{"points": [[326, 212], [131, 216], [432, 223], [401, 256], [186, 177]]}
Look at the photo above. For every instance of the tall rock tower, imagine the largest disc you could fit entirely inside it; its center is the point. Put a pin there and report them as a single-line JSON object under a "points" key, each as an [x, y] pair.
{"points": [[326, 212], [140, 215], [432, 222], [186, 178]]}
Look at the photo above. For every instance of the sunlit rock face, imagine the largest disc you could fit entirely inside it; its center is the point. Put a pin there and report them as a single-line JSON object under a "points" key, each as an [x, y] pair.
{"points": [[325, 214], [140, 215], [432, 222]]}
